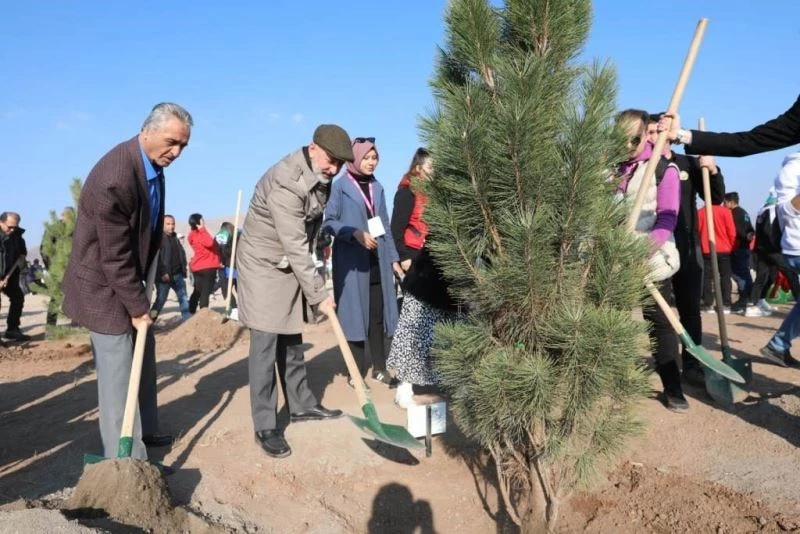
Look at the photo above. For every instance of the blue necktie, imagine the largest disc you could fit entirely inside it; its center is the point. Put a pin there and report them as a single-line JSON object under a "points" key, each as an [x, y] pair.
{"points": [[155, 201]]}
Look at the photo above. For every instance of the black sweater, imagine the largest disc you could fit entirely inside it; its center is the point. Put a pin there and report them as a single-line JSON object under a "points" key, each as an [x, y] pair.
{"points": [[425, 281], [403, 206], [686, 236], [780, 132]]}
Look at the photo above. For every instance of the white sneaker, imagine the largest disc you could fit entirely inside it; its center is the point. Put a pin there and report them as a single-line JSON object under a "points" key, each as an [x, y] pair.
{"points": [[756, 311], [764, 305], [404, 397], [234, 316]]}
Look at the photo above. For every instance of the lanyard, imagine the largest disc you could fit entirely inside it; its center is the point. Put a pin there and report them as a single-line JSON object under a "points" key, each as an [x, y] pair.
{"points": [[370, 202]]}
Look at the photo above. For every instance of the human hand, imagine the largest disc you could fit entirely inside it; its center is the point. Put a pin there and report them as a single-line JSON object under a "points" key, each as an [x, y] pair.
{"points": [[3, 283], [327, 306], [405, 264], [366, 239], [142, 320], [165, 278], [709, 163], [670, 123], [398, 270]]}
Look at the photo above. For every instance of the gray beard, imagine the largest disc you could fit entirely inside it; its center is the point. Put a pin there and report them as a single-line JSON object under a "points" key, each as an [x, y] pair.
{"points": [[321, 177]]}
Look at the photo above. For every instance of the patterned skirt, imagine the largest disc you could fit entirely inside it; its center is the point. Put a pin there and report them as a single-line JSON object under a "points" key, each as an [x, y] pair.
{"points": [[410, 354]]}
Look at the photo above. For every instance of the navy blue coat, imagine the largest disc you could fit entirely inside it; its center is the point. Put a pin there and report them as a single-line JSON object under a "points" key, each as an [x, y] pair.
{"points": [[344, 214]]}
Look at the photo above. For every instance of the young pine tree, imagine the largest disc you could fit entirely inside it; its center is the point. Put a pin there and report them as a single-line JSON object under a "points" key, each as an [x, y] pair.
{"points": [[547, 370], [55, 249]]}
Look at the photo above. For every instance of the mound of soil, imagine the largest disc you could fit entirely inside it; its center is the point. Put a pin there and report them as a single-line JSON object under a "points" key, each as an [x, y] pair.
{"points": [[132, 492], [49, 350], [644, 499], [35, 521], [204, 331]]}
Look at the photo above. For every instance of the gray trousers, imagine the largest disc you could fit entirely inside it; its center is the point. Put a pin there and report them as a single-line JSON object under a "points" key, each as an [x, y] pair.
{"points": [[266, 350], [113, 356]]}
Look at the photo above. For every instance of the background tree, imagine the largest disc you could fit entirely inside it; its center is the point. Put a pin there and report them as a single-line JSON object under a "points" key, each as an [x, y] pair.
{"points": [[547, 370], [55, 250]]}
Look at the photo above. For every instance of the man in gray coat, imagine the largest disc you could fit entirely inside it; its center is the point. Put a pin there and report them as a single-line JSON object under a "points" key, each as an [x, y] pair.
{"points": [[275, 266]]}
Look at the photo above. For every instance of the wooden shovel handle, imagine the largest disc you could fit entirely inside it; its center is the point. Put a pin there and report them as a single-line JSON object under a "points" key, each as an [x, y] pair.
{"points": [[133, 383], [712, 246], [352, 368], [671, 317], [677, 95], [233, 252]]}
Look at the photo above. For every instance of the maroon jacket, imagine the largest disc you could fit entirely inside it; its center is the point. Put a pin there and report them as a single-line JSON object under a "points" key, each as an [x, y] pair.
{"points": [[112, 245]]}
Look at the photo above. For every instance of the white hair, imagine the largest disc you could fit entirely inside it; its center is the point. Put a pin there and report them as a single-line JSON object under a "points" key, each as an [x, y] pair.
{"points": [[162, 112]]}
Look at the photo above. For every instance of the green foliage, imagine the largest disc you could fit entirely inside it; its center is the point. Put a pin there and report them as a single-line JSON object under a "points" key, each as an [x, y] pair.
{"points": [[547, 370], [55, 249]]}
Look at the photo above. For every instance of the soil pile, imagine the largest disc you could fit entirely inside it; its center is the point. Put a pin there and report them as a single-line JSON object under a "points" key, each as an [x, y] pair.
{"points": [[50, 350], [204, 331], [645, 499], [132, 492]]}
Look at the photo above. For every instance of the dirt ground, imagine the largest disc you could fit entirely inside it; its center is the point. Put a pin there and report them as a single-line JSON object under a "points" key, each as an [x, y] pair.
{"points": [[712, 470]]}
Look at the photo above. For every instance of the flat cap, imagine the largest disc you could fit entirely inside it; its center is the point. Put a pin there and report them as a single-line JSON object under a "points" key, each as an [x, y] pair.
{"points": [[335, 141]]}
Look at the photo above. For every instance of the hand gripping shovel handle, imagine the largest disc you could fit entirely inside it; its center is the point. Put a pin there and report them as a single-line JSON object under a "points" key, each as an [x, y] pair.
{"points": [[233, 256], [126, 436], [352, 368], [677, 94]]}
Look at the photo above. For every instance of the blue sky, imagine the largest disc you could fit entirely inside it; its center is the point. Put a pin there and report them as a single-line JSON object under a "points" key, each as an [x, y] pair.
{"points": [[80, 76]]}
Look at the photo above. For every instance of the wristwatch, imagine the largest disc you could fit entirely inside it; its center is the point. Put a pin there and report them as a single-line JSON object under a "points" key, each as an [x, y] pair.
{"points": [[681, 139]]}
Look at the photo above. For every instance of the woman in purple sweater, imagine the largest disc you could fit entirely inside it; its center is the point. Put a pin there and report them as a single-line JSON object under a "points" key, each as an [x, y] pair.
{"points": [[657, 220]]}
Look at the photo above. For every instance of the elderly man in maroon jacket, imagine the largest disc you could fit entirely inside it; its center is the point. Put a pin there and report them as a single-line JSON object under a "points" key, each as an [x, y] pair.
{"points": [[116, 238]]}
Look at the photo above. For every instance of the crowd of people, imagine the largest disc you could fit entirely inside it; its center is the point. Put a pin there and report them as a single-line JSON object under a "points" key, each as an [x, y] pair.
{"points": [[388, 291]]}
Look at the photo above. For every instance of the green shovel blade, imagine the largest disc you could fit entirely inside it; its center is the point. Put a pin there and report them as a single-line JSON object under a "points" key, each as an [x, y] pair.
{"points": [[705, 358], [392, 434], [722, 390]]}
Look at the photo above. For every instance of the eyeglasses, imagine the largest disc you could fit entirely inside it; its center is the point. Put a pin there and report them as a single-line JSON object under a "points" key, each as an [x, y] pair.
{"points": [[364, 140], [635, 140]]}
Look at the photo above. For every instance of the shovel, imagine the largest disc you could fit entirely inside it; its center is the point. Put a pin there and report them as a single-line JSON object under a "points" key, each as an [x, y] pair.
{"points": [[392, 434], [229, 294], [720, 388]]}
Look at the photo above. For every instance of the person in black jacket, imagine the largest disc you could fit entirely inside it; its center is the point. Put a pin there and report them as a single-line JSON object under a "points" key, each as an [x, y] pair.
{"points": [[781, 132], [14, 253], [740, 258], [171, 272], [687, 283]]}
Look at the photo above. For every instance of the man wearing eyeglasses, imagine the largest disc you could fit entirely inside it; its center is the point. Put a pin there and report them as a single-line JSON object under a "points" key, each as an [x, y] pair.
{"points": [[276, 270], [14, 253]]}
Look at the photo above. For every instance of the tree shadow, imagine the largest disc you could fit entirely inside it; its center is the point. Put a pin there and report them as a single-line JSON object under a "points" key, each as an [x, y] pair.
{"points": [[757, 409], [484, 475], [395, 511]]}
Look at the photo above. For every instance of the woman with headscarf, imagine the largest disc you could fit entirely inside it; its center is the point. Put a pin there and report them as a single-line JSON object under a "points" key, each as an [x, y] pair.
{"points": [[364, 257]]}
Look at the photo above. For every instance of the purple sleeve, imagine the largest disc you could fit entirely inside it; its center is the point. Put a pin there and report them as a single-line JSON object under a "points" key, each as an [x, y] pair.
{"points": [[668, 199]]}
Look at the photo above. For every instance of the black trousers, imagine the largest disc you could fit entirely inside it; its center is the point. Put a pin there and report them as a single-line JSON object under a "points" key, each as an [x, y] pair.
{"points": [[663, 340], [766, 273], [687, 286], [376, 347], [16, 300], [724, 262], [203, 286]]}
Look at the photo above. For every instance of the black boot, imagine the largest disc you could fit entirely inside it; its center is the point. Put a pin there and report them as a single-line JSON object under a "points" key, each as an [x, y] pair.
{"points": [[673, 394]]}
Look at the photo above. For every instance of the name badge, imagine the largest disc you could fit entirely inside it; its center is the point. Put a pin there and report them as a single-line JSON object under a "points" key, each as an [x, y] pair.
{"points": [[375, 227]]}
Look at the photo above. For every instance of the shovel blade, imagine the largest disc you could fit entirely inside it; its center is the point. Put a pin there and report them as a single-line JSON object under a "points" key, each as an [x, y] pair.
{"points": [[743, 366], [705, 358], [392, 434], [93, 458]]}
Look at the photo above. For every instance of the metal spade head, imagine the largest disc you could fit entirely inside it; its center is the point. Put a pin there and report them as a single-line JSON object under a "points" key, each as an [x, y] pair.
{"points": [[723, 390], [392, 434], [706, 359]]}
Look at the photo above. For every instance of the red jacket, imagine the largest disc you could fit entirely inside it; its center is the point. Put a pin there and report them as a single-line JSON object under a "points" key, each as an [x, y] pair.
{"points": [[724, 229], [417, 230], [206, 255]]}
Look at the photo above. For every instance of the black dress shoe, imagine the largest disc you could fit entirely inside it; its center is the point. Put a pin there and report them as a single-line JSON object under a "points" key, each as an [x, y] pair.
{"points": [[317, 413], [16, 335], [273, 443], [158, 440]]}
